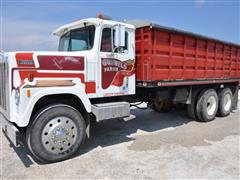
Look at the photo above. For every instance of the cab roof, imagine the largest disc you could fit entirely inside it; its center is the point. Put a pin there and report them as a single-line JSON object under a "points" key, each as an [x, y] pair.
{"points": [[94, 21]]}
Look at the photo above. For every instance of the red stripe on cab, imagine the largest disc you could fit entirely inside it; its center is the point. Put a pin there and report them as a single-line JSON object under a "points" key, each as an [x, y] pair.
{"points": [[75, 63]]}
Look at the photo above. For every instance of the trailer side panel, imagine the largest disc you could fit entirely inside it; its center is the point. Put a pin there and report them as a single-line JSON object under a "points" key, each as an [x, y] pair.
{"points": [[172, 56]]}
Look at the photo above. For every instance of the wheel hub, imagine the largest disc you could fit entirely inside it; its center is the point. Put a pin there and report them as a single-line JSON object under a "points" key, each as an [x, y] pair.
{"points": [[211, 105], [59, 135]]}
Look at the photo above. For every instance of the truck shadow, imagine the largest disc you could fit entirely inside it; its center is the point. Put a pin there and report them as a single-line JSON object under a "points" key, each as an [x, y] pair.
{"points": [[23, 154], [112, 132]]}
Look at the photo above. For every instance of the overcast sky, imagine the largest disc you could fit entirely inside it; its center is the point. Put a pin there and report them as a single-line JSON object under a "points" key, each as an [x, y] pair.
{"points": [[28, 24]]}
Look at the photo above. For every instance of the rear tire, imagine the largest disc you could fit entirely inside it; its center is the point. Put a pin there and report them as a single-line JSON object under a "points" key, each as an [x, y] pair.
{"points": [[207, 105], [191, 108], [56, 133], [225, 102]]}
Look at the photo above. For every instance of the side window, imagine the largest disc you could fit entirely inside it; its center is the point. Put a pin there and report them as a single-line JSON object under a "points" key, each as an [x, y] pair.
{"points": [[106, 43]]}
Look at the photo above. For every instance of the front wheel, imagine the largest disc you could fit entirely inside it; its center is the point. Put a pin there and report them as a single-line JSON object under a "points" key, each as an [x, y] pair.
{"points": [[56, 133]]}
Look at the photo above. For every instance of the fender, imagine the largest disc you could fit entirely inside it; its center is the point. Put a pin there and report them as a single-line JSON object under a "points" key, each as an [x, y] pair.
{"points": [[22, 119]]}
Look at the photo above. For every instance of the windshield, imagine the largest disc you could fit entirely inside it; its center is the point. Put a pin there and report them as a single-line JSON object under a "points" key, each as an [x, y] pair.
{"points": [[78, 40]]}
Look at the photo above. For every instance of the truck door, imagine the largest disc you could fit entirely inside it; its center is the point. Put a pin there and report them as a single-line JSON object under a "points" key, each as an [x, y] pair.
{"points": [[117, 73]]}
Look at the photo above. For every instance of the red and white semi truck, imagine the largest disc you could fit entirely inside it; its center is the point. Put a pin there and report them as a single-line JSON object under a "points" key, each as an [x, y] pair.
{"points": [[100, 68]]}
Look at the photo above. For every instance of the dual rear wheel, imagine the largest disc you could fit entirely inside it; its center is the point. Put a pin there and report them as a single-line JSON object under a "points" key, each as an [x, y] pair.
{"points": [[207, 104], [225, 102]]}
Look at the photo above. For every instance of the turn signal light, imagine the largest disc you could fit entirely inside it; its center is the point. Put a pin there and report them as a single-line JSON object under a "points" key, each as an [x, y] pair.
{"points": [[28, 93]]}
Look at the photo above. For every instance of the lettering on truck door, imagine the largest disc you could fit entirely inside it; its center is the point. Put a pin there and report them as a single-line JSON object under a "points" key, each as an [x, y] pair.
{"points": [[116, 68]]}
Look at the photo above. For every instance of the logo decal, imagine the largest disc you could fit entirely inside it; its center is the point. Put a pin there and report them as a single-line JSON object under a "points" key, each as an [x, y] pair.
{"points": [[61, 62], [114, 71]]}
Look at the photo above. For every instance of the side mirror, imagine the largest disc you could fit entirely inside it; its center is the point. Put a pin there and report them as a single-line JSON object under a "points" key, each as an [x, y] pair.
{"points": [[119, 38]]}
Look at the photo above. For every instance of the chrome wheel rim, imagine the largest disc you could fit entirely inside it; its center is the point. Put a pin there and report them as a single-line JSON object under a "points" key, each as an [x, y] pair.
{"points": [[59, 135], [227, 102], [211, 105]]}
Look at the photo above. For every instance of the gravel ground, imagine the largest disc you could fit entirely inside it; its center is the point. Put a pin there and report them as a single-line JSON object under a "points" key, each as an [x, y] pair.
{"points": [[152, 146]]}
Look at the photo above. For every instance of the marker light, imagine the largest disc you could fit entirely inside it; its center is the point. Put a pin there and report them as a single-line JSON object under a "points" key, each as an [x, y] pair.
{"points": [[30, 77], [28, 93], [104, 17]]}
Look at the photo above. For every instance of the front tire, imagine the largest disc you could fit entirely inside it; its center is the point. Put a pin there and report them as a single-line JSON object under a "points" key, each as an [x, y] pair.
{"points": [[56, 133]]}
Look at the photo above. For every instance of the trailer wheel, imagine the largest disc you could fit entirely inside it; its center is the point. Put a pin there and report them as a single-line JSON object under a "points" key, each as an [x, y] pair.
{"points": [[225, 102], [207, 105], [56, 133]]}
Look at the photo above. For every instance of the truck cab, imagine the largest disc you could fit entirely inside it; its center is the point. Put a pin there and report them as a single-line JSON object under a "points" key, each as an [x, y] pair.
{"points": [[108, 48], [95, 59]]}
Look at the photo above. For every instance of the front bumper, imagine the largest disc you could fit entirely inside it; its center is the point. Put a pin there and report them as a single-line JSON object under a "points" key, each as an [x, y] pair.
{"points": [[11, 132]]}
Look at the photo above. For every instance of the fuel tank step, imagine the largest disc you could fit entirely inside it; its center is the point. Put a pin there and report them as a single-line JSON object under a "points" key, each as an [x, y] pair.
{"points": [[113, 110]]}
